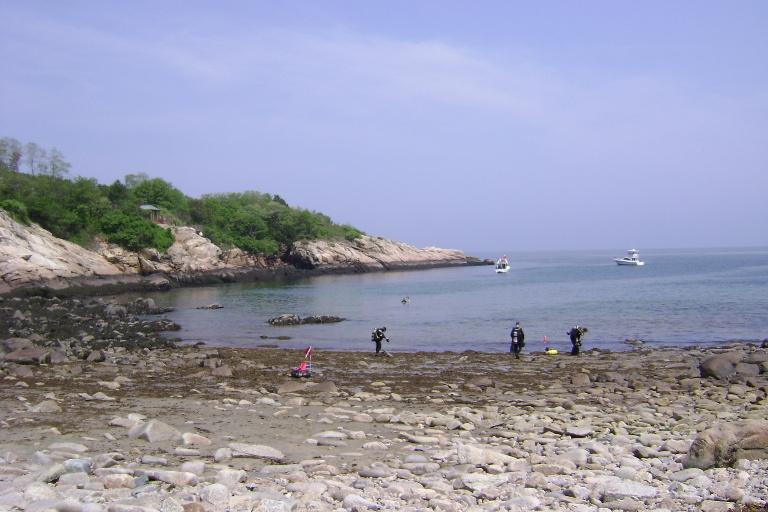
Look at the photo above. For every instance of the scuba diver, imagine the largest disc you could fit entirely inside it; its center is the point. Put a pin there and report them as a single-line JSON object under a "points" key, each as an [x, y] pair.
{"points": [[406, 300], [576, 333], [377, 335], [518, 340]]}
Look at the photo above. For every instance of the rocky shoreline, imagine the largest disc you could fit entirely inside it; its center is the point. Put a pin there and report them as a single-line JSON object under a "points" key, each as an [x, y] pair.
{"points": [[116, 419], [34, 262]]}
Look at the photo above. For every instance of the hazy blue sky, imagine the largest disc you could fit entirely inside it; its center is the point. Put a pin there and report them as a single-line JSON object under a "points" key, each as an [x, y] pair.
{"points": [[515, 125]]}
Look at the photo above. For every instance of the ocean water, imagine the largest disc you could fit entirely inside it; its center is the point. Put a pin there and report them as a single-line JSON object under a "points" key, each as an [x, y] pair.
{"points": [[680, 297]]}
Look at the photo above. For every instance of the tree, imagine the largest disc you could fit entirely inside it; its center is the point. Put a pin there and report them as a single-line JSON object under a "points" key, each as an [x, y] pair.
{"points": [[10, 154], [35, 157], [57, 166], [131, 180]]}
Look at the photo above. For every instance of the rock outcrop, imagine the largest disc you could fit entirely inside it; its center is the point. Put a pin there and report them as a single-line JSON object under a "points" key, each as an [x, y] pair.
{"points": [[30, 254], [371, 253]]}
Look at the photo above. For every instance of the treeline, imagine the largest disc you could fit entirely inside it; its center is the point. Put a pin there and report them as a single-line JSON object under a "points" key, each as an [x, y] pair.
{"points": [[80, 209]]}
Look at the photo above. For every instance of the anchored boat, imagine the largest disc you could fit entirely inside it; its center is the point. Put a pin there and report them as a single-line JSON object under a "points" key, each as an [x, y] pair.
{"points": [[502, 265], [632, 259]]}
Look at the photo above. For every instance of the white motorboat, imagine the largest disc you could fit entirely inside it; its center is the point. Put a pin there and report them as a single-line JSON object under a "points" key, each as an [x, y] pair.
{"points": [[502, 265], [632, 258]]}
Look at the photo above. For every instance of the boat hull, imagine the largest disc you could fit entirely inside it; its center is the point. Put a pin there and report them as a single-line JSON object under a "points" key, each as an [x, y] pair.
{"points": [[629, 263], [502, 270]]}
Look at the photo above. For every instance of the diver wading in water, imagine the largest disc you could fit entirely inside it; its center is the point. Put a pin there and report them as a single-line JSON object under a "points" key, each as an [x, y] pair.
{"points": [[576, 333]]}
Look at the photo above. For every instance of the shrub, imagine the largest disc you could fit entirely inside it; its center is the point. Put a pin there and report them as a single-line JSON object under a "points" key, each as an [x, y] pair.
{"points": [[135, 233], [16, 210]]}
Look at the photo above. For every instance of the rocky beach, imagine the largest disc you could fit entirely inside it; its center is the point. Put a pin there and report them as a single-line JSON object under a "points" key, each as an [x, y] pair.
{"points": [[99, 411]]}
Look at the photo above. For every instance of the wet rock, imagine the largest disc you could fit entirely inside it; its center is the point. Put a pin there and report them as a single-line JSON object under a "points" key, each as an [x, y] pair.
{"points": [[210, 306], [284, 320]]}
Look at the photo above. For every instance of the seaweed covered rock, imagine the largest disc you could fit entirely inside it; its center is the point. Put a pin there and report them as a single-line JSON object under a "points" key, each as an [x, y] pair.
{"points": [[284, 320]]}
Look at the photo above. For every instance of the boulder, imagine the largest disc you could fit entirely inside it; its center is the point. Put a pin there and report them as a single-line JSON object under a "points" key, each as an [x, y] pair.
{"points": [[720, 366], [580, 380], [283, 320], [28, 355], [154, 431], [748, 369], [321, 319], [723, 444], [12, 344]]}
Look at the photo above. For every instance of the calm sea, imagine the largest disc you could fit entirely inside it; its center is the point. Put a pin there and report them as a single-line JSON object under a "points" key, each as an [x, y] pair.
{"points": [[681, 297]]}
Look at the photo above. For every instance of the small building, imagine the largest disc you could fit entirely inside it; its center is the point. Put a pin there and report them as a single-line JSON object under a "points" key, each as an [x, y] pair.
{"points": [[152, 211]]}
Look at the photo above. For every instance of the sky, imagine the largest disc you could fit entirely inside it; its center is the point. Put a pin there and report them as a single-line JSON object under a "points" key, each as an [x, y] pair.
{"points": [[469, 125]]}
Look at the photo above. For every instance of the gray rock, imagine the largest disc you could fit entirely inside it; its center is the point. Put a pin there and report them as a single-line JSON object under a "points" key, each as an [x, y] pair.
{"points": [[721, 366], [154, 431], [580, 380], [215, 494], [28, 355], [747, 369], [355, 502], [575, 431], [46, 406], [618, 489], [377, 471]]}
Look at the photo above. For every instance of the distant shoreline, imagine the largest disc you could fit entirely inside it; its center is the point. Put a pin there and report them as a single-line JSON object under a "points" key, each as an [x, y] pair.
{"points": [[127, 283]]}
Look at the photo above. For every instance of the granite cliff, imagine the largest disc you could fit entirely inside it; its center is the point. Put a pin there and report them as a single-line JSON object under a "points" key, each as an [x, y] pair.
{"points": [[368, 253], [32, 258]]}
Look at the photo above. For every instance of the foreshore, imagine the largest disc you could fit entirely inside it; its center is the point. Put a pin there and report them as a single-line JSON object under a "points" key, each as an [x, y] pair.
{"points": [[110, 417]]}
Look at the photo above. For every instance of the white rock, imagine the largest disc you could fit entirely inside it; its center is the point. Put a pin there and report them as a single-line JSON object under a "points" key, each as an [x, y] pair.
{"points": [[467, 454], [231, 477], [256, 451], [192, 439], [68, 447], [214, 494], [154, 431], [196, 467]]}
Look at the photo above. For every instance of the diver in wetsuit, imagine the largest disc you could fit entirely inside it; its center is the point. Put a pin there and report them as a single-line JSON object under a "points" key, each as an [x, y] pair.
{"points": [[518, 340], [377, 336], [576, 333]]}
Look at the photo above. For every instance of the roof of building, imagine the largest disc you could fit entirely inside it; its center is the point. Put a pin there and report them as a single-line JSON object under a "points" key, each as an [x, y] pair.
{"points": [[149, 207]]}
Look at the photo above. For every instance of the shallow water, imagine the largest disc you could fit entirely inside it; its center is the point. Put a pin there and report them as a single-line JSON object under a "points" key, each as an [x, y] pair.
{"points": [[679, 298]]}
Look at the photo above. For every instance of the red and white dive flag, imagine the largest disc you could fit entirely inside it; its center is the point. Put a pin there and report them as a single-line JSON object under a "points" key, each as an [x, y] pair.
{"points": [[307, 352]]}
